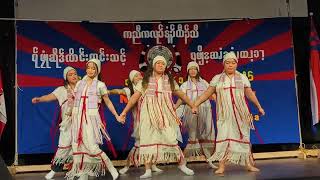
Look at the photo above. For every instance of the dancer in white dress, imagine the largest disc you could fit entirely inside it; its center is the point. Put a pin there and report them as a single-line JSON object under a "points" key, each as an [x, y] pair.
{"points": [[88, 129], [132, 159], [158, 119], [64, 95], [233, 116], [200, 128]]}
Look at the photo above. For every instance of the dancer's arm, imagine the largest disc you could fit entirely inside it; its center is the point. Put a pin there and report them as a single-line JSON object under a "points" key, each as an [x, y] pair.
{"points": [[178, 103], [132, 101], [214, 97], [205, 96], [117, 91], [186, 99], [45, 98], [253, 98], [110, 106]]}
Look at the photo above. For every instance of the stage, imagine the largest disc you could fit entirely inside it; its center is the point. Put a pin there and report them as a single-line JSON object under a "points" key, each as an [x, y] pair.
{"points": [[292, 168]]}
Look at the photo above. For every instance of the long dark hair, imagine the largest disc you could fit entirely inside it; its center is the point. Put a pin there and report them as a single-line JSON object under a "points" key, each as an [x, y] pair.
{"points": [[66, 83], [148, 74], [130, 86], [99, 77]]}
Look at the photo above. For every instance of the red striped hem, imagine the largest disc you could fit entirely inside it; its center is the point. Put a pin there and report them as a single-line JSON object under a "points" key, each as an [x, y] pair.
{"points": [[84, 153], [201, 141], [234, 140], [148, 145]]}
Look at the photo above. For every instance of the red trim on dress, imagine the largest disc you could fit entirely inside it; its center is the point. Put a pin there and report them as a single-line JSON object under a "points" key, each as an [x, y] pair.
{"points": [[234, 111], [234, 140], [147, 145], [85, 153]]}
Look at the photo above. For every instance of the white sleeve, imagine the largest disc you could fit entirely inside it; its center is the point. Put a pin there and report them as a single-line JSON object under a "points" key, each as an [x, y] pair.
{"points": [[183, 87], [60, 93], [176, 86], [128, 92], [205, 83], [102, 88], [215, 80], [245, 81], [139, 87]]}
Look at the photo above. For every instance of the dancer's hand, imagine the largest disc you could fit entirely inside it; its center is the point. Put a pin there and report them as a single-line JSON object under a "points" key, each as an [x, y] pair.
{"points": [[121, 118], [35, 100], [123, 115], [261, 111], [194, 110]]}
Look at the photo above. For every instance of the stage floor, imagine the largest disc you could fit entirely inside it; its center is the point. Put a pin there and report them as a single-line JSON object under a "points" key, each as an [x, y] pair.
{"points": [[270, 169]]}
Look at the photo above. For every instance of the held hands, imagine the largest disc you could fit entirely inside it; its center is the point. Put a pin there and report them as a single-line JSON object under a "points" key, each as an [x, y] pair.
{"points": [[122, 118], [194, 109], [261, 111], [35, 100]]}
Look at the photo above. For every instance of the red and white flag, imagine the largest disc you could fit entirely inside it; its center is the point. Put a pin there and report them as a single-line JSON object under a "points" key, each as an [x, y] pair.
{"points": [[314, 62], [3, 116]]}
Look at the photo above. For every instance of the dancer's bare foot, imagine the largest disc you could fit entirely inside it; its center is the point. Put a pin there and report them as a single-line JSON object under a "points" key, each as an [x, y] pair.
{"points": [[252, 168], [220, 170]]}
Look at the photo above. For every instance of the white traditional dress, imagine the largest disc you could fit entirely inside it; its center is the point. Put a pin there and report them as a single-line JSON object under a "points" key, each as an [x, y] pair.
{"points": [[233, 119], [158, 123], [88, 131], [133, 155], [63, 155], [200, 127]]}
